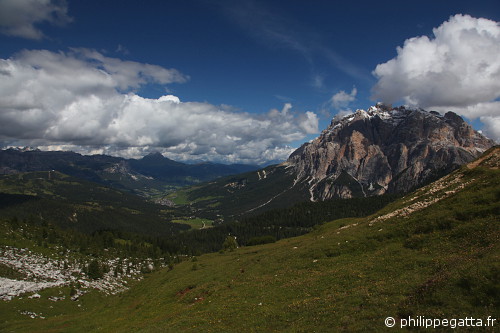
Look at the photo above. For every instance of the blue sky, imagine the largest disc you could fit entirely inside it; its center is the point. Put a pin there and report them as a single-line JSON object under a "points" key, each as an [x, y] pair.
{"points": [[249, 80]]}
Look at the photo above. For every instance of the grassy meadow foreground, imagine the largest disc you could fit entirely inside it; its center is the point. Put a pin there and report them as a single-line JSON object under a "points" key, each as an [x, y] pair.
{"points": [[432, 253]]}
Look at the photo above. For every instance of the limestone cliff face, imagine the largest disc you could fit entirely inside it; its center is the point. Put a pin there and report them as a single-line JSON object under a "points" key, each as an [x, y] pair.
{"points": [[384, 150]]}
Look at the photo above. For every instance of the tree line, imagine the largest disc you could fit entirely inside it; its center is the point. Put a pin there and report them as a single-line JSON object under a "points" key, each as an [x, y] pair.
{"points": [[251, 230]]}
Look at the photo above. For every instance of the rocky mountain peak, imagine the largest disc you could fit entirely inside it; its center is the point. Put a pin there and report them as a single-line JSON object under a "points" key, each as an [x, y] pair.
{"points": [[384, 149], [154, 156]]}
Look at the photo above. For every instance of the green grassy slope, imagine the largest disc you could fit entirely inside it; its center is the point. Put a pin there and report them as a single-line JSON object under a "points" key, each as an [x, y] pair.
{"points": [[82, 205], [433, 253], [246, 193]]}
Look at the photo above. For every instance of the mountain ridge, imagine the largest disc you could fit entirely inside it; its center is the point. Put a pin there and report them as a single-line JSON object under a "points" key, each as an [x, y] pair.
{"points": [[152, 174], [385, 149]]}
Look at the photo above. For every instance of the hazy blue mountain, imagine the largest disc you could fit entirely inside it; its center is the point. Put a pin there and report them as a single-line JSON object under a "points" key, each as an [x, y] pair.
{"points": [[153, 173]]}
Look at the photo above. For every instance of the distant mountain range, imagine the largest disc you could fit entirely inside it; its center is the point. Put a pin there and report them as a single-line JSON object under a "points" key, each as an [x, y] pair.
{"points": [[380, 150], [152, 174]]}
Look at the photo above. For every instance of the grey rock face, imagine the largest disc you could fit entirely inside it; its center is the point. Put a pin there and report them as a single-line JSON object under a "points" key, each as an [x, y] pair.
{"points": [[384, 150]]}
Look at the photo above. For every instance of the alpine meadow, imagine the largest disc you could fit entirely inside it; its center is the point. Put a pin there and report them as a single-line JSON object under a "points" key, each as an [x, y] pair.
{"points": [[250, 166]]}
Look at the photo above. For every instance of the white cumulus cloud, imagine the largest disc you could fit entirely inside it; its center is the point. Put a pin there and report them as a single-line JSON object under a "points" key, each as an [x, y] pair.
{"points": [[308, 122], [343, 99], [492, 125], [457, 69], [19, 17], [84, 101]]}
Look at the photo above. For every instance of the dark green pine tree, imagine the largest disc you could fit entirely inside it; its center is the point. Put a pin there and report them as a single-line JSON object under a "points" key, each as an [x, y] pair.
{"points": [[94, 271], [229, 244]]}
